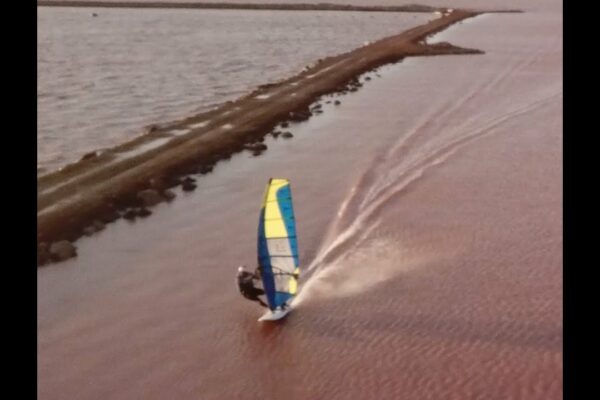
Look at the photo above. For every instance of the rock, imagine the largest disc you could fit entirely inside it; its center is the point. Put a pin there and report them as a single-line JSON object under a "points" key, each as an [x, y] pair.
{"points": [[173, 181], [109, 215], [169, 195], [43, 247], [151, 129], [88, 156], [188, 179], [275, 134], [328, 102], [192, 170], [367, 78], [149, 197], [319, 111], [98, 225], [62, 250], [157, 183], [337, 102], [89, 230], [73, 235], [143, 212], [255, 147], [284, 124], [43, 255], [257, 152], [287, 135], [130, 214], [205, 169], [188, 186], [299, 116], [267, 86], [442, 45]]}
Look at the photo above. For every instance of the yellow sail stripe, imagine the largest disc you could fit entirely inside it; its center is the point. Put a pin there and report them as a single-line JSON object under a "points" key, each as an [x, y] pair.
{"points": [[274, 225], [293, 283]]}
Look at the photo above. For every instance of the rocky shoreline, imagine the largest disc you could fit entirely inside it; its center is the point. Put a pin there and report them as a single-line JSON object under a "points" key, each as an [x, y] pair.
{"points": [[128, 180]]}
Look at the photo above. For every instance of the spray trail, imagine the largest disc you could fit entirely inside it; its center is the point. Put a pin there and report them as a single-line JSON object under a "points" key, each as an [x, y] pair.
{"points": [[338, 269]]}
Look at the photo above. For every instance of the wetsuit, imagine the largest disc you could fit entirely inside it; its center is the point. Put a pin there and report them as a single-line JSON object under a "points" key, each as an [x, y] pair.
{"points": [[245, 281]]}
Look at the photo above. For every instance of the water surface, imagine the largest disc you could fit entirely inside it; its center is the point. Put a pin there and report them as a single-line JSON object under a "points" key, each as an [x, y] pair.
{"points": [[429, 211]]}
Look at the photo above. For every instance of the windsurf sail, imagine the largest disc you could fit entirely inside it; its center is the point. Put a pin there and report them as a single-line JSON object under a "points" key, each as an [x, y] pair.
{"points": [[278, 244]]}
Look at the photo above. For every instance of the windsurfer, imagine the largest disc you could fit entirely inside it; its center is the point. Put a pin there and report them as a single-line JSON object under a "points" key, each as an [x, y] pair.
{"points": [[245, 281]]}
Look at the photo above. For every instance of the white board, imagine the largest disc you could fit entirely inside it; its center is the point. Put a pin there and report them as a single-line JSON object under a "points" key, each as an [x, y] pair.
{"points": [[275, 314]]}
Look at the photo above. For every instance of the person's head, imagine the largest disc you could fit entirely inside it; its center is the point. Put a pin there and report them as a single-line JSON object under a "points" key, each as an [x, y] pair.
{"points": [[241, 268]]}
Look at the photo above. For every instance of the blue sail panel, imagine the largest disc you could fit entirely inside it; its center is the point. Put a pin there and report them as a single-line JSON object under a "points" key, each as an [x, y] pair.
{"points": [[278, 244]]}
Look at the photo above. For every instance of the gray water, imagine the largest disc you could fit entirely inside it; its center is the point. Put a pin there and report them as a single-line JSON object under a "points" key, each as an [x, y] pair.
{"points": [[102, 79]]}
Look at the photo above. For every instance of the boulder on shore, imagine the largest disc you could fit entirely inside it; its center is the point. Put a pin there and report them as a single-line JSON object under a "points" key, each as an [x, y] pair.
{"points": [[149, 197], [188, 185], [98, 225], [299, 116], [143, 212], [168, 195], [62, 250], [205, 169], [255, 147], [130, 214], [88, 156], [157, 183], [43, 254], [110, 214]]}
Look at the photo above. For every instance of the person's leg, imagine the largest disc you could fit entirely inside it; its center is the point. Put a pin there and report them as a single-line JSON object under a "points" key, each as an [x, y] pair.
{"points": [[262, 303], [255, 298], [259, 292]]}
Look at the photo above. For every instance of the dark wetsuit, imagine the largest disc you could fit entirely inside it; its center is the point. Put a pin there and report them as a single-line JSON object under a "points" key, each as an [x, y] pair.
{"points": [[245, 281]]}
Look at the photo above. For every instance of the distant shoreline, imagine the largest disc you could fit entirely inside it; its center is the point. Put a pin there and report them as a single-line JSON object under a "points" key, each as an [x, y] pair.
{"points": [[239, 6]]}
